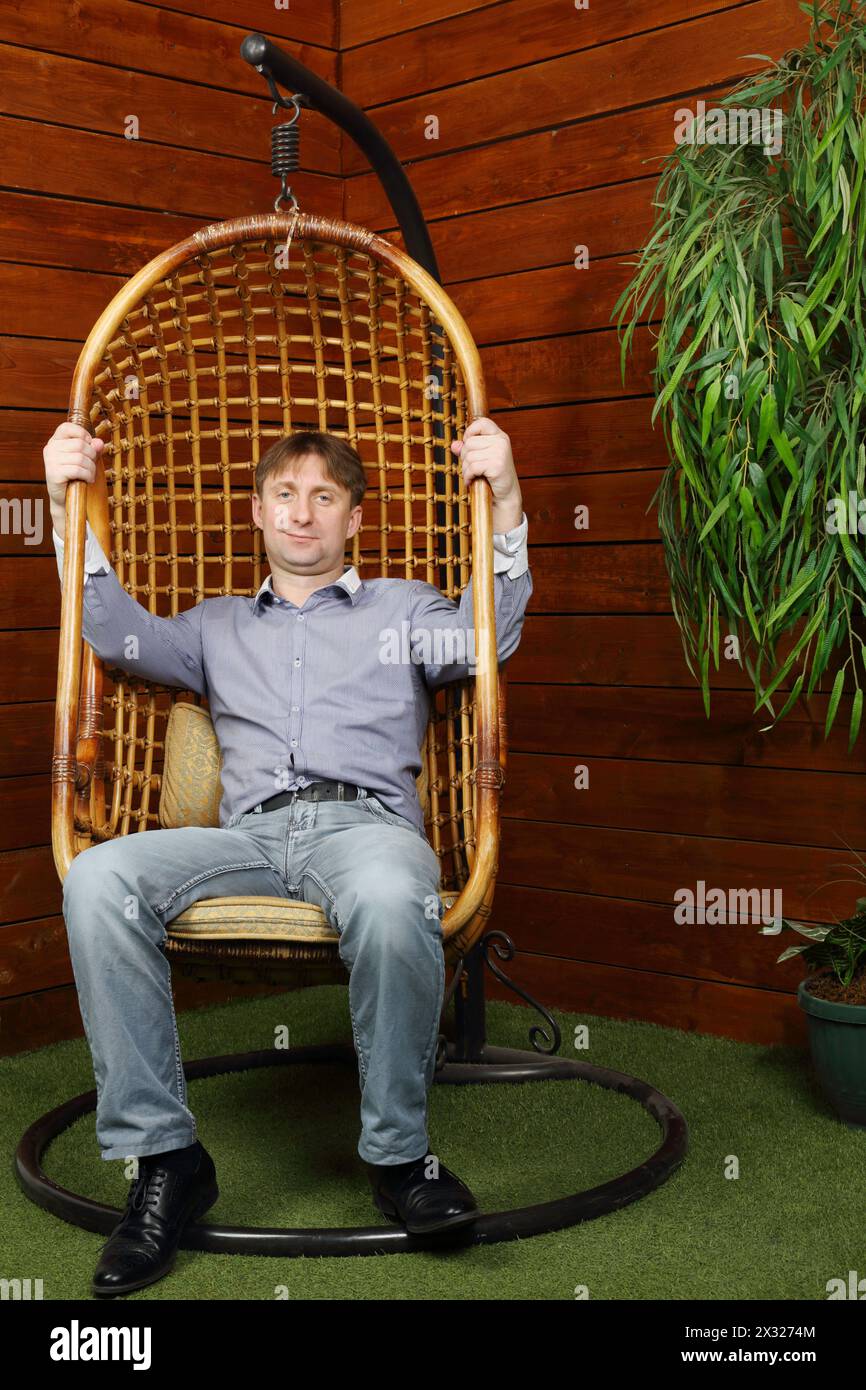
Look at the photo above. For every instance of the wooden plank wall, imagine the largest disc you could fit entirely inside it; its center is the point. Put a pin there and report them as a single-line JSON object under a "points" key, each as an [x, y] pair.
{"points": [[529, 128], [81, 208]]}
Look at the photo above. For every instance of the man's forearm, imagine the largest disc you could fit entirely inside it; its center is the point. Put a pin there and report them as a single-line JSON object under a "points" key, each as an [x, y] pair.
{"points": [[508, 512], [124, 633], [58, 521]]}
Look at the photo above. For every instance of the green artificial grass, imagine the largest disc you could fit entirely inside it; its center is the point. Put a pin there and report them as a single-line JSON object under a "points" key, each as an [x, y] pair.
{"points": [[285, 1145]]}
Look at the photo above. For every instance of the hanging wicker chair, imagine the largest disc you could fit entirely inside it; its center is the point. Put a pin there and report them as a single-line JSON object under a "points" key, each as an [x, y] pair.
{"points": [[244, 332]]}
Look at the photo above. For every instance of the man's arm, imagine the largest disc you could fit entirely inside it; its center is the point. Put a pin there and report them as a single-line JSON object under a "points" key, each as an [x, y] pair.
{"points": [[441, 632], [95, 559], [121, 632], [124, 634]]}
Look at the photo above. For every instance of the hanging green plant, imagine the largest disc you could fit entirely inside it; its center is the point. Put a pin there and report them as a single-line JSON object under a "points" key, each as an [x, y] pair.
{"points": [[760, 371]]}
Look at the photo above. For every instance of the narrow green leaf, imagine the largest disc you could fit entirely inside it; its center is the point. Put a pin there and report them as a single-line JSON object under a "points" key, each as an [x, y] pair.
{"points": [[835, 697], [750, 613], [792, 698], [767, 419], [790, 598], [789, 316], [719, 510], [856, 712], [710, 402], [786, 454]]}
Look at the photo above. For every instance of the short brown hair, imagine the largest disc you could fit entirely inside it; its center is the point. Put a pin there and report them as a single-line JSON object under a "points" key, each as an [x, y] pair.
{"points": [[342, 463]]}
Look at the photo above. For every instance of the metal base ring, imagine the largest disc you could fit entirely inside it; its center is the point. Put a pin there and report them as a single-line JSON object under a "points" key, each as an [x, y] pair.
{"points": [[498, 1065]]}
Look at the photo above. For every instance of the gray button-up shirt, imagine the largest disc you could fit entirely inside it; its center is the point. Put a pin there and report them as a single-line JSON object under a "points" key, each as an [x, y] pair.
{"points": [[339, 687]]}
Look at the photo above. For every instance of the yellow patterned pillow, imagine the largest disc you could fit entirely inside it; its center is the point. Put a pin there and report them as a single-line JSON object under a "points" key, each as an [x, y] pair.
{"points": [[191, 786]]}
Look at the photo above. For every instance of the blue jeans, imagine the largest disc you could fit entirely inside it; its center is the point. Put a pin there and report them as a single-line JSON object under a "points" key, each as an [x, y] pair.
{"points": [[376, 877]]}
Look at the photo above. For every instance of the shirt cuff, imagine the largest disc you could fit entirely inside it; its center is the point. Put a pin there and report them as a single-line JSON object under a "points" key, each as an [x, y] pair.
{"points": [[510, 553], [95, 559]]}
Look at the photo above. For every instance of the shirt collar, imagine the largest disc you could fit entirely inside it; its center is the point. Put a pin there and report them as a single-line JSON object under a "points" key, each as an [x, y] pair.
{"points": [[350, 581]]}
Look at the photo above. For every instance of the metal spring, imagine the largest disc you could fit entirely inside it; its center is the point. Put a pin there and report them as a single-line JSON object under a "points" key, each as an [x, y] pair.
{"points": [[285, 149]]}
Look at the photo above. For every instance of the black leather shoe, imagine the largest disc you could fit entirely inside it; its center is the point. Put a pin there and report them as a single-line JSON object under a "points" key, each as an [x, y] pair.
{"points": [[423, 1205], [142, 1247]]}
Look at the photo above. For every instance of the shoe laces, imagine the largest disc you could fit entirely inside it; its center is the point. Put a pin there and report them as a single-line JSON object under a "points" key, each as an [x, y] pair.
{"points": [[146, 1189], [143, 1192]]}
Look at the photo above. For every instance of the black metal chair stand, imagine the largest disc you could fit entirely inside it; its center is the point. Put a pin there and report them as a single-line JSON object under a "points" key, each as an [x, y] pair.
{"points": [[469, 1060]]}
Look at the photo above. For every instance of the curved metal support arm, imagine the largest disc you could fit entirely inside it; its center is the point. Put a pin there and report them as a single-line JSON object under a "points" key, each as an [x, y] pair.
{"points": [[280, 66]]}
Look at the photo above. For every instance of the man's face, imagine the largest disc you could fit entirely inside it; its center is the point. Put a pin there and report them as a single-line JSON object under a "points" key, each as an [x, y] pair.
{"points": [[306, 517]]}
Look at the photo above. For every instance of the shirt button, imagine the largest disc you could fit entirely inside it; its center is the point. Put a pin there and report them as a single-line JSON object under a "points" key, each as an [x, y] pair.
{"points": [[294, 743], [294, 709], [297, 661], [300, 617]]}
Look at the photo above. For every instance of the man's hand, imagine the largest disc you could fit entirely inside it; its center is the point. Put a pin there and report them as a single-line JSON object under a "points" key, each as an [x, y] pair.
{"points": [[70, 454], [485, 452]]}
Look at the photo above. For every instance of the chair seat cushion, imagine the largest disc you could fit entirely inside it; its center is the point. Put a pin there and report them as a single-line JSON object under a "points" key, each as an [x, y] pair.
{"points": [[285, 920]]}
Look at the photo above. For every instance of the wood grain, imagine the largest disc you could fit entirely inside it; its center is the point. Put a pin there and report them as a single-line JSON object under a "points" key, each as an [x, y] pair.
{"points": [[553, 125]]}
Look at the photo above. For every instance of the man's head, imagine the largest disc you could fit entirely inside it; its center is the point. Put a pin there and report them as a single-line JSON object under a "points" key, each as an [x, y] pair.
{"points": [[307, 501]]}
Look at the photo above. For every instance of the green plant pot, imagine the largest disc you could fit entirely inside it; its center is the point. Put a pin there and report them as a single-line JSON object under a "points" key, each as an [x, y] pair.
{"points": [[837, 1034]]}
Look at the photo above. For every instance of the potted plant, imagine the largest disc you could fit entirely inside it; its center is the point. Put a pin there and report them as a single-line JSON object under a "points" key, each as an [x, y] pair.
{"points": [[756, 256], [834, 1000]]}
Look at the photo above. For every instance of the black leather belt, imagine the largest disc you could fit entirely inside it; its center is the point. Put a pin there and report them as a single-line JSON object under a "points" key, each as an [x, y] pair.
{"points": [[324, 789]]}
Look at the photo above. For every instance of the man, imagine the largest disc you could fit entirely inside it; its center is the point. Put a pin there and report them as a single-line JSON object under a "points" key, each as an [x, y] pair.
{"points": [[319, 728]]}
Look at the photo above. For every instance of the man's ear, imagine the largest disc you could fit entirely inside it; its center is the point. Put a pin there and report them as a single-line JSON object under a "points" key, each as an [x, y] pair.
{"points": [[257, 510], [354, 520]]}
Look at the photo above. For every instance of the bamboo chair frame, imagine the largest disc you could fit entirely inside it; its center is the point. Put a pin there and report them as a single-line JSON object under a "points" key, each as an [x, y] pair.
{"points": [[178, 376]]}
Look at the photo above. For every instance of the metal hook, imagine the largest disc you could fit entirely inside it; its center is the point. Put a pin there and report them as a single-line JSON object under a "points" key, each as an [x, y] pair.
{"points": [[295, 100], [285, 192]]}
